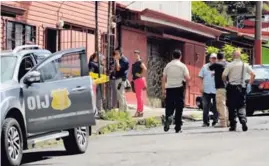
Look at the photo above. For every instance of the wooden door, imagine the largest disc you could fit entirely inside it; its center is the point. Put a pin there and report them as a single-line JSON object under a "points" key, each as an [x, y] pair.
{"points": [[189, 61], [194, 57]]}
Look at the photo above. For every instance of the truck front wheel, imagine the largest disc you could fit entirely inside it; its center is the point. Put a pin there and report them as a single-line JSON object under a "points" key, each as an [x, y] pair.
{"points": [[12, 143], [77, 141]]}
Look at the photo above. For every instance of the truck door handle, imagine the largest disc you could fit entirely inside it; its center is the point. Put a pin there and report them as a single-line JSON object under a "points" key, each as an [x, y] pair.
{"points": [[79, 88]]}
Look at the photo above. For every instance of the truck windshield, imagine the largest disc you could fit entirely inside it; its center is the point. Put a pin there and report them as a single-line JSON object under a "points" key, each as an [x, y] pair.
{"points": [[8, 64]]}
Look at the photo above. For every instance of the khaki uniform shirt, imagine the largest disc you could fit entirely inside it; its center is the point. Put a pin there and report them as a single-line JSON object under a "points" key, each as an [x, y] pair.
{"points": [[175, 71], [234, 72]]}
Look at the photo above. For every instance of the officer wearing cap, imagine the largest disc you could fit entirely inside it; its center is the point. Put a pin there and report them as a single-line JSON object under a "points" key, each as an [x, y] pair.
{"points": [[236, 72]]}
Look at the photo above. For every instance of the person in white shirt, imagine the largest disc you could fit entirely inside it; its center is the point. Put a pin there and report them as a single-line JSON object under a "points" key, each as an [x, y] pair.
{"points": [[209, 92], [174, 74]]}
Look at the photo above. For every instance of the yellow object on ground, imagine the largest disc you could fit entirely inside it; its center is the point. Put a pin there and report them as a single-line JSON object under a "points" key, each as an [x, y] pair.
{"points": [[99, 80]]}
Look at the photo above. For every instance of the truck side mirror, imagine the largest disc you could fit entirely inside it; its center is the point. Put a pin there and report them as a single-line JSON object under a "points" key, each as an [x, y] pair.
{"points": [[32, 77]]}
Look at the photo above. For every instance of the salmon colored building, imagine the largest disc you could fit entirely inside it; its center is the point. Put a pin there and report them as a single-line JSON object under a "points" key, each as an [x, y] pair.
{"points": [[53, 25], [156, 35]]}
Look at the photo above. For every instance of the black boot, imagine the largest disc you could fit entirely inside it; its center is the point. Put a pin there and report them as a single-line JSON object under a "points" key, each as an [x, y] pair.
{"points": [[167, 123], [244, 127], [232, 128], [178, 129]]}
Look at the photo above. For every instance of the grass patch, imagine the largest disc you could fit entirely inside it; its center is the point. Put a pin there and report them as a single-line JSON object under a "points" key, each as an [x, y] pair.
{"points": [[115, 115], [130, 125], [119, 126], [150, 122]]}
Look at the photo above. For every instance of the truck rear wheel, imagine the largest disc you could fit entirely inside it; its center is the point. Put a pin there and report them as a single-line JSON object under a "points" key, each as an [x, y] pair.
{"points": [[77, 141], [12, 143]]}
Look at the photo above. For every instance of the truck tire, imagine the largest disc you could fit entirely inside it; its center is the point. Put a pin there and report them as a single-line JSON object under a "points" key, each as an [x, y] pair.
{"points": [[77, 141], [12, 143]]}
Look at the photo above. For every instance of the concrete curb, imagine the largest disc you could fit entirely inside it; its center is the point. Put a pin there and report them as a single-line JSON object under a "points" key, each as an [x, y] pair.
{"points": [[139, 122]]}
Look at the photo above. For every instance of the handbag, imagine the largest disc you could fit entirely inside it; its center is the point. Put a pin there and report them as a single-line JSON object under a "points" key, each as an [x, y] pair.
{"points": [[133, 86]]}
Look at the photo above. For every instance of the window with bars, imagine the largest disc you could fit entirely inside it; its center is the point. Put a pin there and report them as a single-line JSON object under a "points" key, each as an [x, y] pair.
{"points": [[18, 34]]}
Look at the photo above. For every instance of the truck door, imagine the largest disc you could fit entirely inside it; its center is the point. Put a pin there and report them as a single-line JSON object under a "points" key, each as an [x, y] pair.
{"points": [[63, 98]]}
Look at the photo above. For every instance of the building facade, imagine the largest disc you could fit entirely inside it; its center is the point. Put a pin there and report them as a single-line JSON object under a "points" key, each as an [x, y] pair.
{"points": [[52, 25], [179, 9], [156, 35]]}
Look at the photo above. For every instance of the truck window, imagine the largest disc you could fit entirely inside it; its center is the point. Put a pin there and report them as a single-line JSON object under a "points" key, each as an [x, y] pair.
{"points": [[25, 66], [68, 66]]}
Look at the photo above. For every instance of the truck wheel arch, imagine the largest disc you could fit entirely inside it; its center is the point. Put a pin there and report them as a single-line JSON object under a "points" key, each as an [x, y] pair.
{"points": [[16, 114]]}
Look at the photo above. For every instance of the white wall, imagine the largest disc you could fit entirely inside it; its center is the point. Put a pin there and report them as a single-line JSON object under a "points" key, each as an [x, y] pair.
{"points": [[181, 9]]}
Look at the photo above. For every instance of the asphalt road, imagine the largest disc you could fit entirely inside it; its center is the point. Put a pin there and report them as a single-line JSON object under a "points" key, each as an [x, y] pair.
{"points": [[196, 146]]}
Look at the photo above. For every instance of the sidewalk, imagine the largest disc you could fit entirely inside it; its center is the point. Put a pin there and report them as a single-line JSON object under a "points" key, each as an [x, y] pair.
{"points": [[188, 114]]}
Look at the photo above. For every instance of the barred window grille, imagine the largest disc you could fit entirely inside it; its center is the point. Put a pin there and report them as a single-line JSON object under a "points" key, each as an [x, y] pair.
{"points": [[18, 34]]}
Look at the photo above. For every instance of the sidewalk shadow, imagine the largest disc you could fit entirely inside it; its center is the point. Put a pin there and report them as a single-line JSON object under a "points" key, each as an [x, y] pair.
{"points": [[30, 157]]}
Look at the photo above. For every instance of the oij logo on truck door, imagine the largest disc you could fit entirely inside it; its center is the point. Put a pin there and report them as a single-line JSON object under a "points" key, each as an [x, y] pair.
{"points": [[60, 100]]}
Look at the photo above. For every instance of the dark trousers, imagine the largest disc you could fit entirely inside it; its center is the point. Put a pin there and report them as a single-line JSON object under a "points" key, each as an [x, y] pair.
{"points": [[174, 101], [236, 99], [209, 106]]}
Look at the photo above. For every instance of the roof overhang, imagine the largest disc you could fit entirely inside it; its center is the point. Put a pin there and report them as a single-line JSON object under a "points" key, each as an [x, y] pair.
{"points": [[236, 32], [163, 19], [11, 10]]}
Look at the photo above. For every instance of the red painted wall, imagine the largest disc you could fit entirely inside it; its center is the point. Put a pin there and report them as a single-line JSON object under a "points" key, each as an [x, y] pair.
{"points": [[133, 40], [193, 57]]}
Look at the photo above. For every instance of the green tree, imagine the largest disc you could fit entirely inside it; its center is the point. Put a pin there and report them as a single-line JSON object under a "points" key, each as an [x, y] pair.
{"points": [[228, 52], [211, 50], [202, 13], [265, 6], [232, 9]]}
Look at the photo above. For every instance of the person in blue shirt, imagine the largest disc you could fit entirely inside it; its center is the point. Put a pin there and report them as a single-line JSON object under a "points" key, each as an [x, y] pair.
{"points": [[209, 92], [121, 75]]}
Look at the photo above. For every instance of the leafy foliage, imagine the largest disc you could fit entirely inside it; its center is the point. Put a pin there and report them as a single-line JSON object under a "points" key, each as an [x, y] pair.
{"points": [[202, 13], [234, 11], [228, 52], [212, 49], [266, 6], [114, 115]]}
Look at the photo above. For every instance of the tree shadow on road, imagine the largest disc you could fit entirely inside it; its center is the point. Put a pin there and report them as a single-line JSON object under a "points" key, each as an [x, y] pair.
{"points": [[30, 157]]}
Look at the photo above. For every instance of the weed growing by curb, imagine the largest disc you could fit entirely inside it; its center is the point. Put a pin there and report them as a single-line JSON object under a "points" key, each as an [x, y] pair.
{"points": [[115, 115], [131, 125]]}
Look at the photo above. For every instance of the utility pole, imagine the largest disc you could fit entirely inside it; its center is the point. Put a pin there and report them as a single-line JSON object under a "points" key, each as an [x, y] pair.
{"points": [[258, 29], [108, 99], [97, 47], [96, 38]]}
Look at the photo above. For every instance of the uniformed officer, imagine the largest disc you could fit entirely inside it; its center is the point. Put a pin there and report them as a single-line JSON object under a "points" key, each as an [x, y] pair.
{"points": [[236, 72], [174, 75]]}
